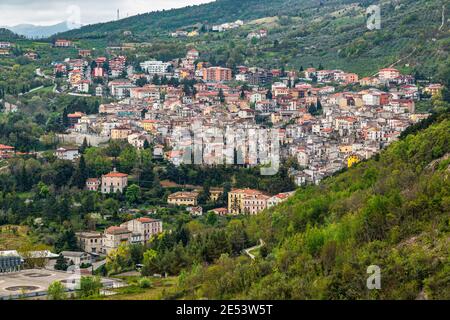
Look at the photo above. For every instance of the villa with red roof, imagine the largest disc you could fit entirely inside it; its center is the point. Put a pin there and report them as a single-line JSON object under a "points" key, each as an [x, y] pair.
{"points": [[114, 181]]}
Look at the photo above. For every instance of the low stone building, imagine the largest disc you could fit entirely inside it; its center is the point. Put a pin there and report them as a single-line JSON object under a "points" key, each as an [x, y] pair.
{"points": [[91, 242]]}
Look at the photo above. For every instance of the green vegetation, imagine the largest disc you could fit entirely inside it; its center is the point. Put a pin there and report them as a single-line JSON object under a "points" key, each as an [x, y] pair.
{"points": [[391, 211], [57, 291]]}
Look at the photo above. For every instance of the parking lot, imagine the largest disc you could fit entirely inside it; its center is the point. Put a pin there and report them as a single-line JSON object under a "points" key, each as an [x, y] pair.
{"points": [[35, 282]]}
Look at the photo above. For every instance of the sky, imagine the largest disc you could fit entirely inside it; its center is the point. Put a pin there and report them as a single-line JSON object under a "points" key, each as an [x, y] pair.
{"points": [[49, 12]]}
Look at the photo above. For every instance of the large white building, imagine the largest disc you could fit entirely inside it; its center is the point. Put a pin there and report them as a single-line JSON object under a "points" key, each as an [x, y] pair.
{"points": [[155, 67]]}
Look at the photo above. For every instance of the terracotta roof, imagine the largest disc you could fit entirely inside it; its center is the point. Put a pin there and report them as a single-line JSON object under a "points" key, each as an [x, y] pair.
{"points": [[247, 191], [146, 220], [5, 147], [116, 175], [178, 195], [117, 230]]}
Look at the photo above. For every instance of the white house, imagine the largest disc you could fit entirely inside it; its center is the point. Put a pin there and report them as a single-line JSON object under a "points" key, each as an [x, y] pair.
{"points": [[77, 258], [70, 154]]}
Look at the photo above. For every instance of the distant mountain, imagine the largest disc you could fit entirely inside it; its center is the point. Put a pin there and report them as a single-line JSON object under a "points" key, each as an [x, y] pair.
{"points": [[33, 31], [8, 35]]}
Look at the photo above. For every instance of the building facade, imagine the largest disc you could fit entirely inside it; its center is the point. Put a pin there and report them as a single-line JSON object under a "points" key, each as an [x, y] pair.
{"points": [[113, 182]]}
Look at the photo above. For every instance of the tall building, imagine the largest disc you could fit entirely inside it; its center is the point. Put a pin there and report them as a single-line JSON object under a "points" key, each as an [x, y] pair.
{"points": [[217, 74]]}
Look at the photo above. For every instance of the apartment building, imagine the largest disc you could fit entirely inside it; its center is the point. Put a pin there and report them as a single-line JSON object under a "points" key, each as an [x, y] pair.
{"points": [[217, 74], [146, 227], [237, 203]]}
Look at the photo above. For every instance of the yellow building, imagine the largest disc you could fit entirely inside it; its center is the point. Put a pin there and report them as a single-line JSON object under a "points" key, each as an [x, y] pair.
{"points": [[149, 125], [275, 117], [184, 73], [434, 89], [215, 194], [352, 160], [120, 133], [345, 148], [236, 199], [183, 199], [193, 33]]}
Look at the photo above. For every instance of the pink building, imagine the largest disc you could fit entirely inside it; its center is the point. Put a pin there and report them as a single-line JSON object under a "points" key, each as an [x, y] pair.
{"points": [[93, 184], [114, 181]]}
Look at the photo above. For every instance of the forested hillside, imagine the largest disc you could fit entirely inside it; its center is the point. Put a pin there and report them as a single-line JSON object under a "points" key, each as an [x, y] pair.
{"points": [[391, 211], [414, 34]]}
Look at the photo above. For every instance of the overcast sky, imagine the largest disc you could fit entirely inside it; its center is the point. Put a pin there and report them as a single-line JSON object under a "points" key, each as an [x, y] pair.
{"points": [[48, 12]]}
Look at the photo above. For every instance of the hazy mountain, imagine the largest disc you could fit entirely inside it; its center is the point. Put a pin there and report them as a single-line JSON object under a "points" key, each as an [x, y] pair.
{"points": [[33, 31], [8, 35]]}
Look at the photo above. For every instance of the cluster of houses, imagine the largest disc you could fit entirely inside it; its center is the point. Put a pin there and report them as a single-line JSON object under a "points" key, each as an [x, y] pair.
{"points": [[6, 50], [85, 75], [240, 201], [323, 129]]}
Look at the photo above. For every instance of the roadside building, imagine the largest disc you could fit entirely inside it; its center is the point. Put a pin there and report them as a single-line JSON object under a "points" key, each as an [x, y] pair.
{"points": [[69, 154]]}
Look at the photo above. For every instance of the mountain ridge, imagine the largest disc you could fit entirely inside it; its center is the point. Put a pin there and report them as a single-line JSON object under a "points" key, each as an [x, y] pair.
{"points": [[301, 33], [37, 31]]}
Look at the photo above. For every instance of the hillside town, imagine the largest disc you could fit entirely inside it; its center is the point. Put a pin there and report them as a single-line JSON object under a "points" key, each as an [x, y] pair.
{"points": [[324, 125], [224, 150]]}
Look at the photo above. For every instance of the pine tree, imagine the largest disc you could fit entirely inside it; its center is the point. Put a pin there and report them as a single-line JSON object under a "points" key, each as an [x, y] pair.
{"points": [[61, 263], [84, 146]]}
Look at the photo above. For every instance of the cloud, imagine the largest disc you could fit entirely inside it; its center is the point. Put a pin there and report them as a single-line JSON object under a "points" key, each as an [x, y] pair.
{"points": [[47, 12]]}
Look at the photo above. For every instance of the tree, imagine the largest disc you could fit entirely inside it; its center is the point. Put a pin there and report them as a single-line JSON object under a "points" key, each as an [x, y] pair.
{"points": [[80, 175], [133, 194], [84, 146], [205, 195], [66, 241], [89, 286], [211, 218], [221, 96], [56, 291], [61, 263], [150, 264]]}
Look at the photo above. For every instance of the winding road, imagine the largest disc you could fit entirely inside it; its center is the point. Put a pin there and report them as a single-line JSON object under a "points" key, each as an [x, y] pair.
{"points": [[248, 251]]}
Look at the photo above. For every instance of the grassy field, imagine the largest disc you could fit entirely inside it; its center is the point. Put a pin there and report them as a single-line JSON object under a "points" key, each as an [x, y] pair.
{"points": [[13, 237], [134, 292]]}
